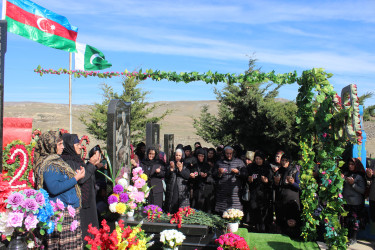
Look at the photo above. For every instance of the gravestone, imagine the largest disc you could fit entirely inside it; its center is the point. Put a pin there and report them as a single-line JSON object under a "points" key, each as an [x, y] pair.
{"points": [[152, 135], [3, 49], [118, 135], [168, 146]]}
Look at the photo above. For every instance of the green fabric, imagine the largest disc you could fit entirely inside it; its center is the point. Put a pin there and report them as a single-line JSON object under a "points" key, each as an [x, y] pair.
{"points": [[39, 36], [274, 241], [95, 59]]}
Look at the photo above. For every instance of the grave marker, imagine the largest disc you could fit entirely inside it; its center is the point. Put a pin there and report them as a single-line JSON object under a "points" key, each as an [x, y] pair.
{"points": [[118, 135]]}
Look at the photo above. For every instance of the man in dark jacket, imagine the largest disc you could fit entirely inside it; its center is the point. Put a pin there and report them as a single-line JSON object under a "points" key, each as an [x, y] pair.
{"points": [[228, 182]]}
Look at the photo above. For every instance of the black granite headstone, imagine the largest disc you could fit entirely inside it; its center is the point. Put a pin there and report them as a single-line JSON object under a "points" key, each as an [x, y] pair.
{"points": [[118, 135], [152, 135], [3, 49], [168, 145]]}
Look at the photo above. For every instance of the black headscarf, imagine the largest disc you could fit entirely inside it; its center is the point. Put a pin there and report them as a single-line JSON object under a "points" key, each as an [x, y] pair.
{"points": [[69, 153], [149, 162]]}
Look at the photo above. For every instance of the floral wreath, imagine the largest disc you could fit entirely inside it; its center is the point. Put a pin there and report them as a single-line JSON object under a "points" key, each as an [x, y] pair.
{"points": [[16, 162], [84, 141]]}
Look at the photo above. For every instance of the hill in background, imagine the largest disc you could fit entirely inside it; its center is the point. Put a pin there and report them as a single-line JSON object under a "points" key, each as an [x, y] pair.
{"points": [[47, 116]]}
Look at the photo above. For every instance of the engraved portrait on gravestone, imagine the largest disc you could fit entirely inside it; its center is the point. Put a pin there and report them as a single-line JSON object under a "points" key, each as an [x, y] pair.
{"points": [[123, 150], [118, 135]]}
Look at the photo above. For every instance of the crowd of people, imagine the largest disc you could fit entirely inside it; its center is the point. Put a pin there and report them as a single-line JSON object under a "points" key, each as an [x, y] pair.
{"points": [[266, 188], [213, 180]]}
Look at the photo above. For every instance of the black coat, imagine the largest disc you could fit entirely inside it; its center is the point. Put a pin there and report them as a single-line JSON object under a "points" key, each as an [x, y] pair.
{"points": [[155, 180], [260, 192], [177, 193], [203, 188], [286, 192], [228, 185]]}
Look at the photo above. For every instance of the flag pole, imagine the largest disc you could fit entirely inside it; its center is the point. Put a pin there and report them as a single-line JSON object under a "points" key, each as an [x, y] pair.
{"points": [[4, 9], [70, 94]]}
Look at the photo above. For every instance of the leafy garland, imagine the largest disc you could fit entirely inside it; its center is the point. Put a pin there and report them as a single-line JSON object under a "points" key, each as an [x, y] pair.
{"points": [[157, 75], [319, 126]]}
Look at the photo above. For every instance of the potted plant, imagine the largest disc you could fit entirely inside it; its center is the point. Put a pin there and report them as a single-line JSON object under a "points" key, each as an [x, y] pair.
{"points": [[171, 239], [234, 216]]}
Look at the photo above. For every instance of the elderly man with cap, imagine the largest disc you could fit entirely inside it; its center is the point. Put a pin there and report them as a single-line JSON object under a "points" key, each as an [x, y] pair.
{"points": [[228, 182]]}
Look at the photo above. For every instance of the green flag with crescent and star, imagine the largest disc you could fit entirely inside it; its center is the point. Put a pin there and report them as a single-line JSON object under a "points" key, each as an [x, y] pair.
{"points": [[89, 58]]}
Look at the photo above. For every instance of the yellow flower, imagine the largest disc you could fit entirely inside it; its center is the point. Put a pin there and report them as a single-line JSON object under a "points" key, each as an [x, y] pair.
{"points": [[120, 208], [144, 177]]}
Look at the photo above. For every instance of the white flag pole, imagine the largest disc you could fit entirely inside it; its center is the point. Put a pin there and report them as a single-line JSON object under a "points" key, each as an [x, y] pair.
{"points": [[4, 9], [70, 94]]}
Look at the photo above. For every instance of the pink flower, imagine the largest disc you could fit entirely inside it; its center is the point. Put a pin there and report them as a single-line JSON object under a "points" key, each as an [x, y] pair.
{"points": [[72, 211], [137, 171], [139, 183], [324, 135], [74, 225], [139, 197], [329, 181], [324, 172], [15, 219], [332, 228], [340, 196], [30, 222], [60, 204], [132, 205], [53, 204]]}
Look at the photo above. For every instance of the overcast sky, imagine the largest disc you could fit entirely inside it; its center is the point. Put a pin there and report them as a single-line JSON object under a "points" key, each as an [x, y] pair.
{"points": [[186, 36]]}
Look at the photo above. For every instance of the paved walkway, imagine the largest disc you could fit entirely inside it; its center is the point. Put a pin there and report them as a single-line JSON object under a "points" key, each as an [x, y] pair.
{"points": [[360, 245]]}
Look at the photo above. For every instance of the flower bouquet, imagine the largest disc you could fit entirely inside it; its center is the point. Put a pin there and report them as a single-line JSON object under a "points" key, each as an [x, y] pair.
{"points": [[152, 211], [120, 238], [126, 197], [171, 238], [233, 215], [231, 241], [29, 209]]}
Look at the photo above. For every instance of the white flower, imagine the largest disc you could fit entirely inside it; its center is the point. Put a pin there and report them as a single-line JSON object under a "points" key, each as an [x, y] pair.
{"points": [[125, 176], [112, 207], [123, 182], [4, 229], [30, 244]]}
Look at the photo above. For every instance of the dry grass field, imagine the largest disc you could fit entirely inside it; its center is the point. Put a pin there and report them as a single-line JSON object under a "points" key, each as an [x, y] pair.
{"points": [[47, 116]]}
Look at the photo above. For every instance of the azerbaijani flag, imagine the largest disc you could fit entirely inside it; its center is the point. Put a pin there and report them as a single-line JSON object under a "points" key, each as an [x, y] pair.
{"points": [[34, 22]]}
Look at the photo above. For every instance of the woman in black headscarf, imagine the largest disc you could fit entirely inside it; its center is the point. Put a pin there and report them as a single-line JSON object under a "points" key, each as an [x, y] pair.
{"points": [[203, 183], [72, 155], [155, 171], [177, 181], [353, 192], [259, 177]]}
